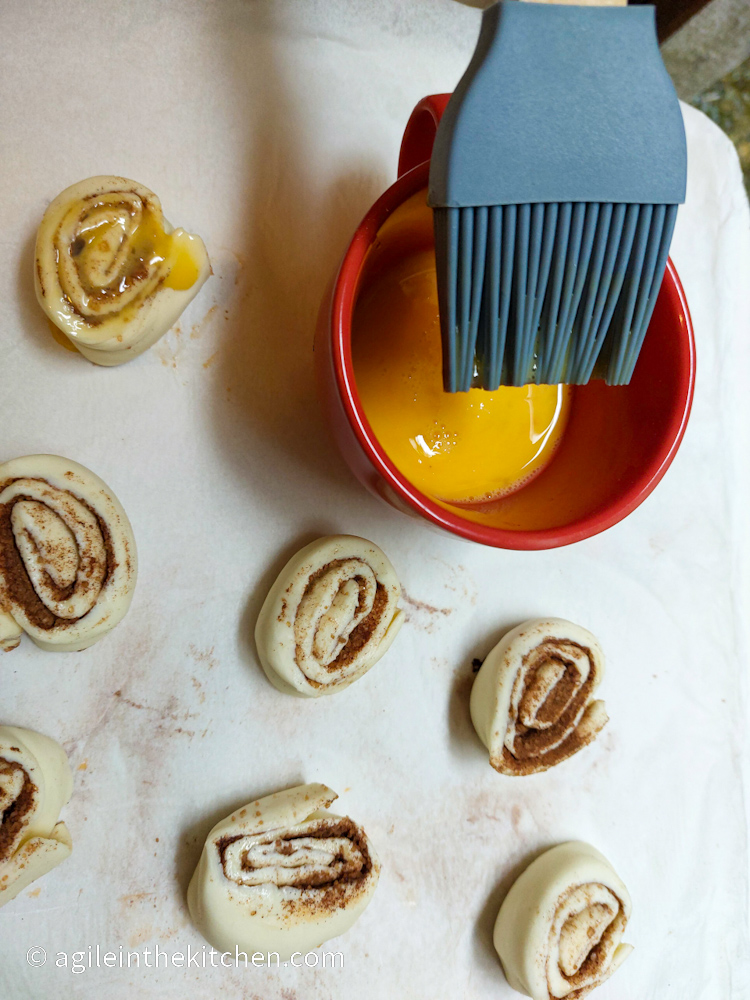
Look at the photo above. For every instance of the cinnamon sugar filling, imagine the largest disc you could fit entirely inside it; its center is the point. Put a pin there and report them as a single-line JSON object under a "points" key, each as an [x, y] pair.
{"points": [[13, 818], [362, 634], [595, 963], [559, 710], [319, 879], [15, 581]]}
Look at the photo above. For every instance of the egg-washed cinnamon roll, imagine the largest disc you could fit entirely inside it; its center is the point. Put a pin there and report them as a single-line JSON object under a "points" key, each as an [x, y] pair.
{"points": [[111, 272], [68, 560], [559, 930], [330, 615], [35, 783], [282, 875], [531, 703]]}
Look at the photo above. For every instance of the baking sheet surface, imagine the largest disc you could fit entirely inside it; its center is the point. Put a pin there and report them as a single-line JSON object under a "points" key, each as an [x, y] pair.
{"points": [[269, 128]]}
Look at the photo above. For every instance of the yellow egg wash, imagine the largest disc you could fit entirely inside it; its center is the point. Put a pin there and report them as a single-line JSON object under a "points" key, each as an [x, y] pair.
{"points": [[60, 338], [460, 448], [184, 269], [149, 245]]}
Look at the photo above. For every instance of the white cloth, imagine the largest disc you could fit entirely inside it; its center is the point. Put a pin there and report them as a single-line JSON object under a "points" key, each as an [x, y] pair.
{"points": [[268, 128]]}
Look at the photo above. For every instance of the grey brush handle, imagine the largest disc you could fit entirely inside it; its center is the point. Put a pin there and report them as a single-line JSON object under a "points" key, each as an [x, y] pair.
{"points": [[561, 104]]}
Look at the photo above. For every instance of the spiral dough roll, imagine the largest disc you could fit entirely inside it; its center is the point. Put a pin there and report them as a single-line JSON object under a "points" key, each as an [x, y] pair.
{"points": [[35, 783], [330, 615], [559, 931], [282, 876], [531, 703], [111, 272], [68, 560]]}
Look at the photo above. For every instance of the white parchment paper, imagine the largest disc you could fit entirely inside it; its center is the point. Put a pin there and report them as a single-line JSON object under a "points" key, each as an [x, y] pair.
{"points": [[269, 128]]}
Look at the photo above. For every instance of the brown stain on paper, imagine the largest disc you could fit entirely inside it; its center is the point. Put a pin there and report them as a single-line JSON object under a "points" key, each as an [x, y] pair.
{"points": [[425, 616], [166, 712], [199, 328], [205, 657]]}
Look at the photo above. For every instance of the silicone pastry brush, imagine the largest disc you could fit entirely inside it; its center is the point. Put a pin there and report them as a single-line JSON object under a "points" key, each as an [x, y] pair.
{"points": [[555, 178]]}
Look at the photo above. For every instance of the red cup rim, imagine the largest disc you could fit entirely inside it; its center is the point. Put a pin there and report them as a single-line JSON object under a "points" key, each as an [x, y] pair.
{"points": [[344, 294]]}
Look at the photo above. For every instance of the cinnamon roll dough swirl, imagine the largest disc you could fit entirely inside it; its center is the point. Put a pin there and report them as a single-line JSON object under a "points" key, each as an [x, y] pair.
{"points": [[329, 617], [281, 875], [67, 554], [35, 783], [531, 703], [111, 272], [559, 931]]}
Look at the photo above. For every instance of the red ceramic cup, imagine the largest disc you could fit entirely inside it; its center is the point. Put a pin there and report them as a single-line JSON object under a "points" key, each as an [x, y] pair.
{"points": [[617, 445]]}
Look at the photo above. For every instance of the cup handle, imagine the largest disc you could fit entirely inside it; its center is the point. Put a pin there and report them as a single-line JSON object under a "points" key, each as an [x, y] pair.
{"points": [[419, 134]]}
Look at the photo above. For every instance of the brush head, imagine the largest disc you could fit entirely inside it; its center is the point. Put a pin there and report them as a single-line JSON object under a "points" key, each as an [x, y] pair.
{"points": [[547, 293], [555, 176]]}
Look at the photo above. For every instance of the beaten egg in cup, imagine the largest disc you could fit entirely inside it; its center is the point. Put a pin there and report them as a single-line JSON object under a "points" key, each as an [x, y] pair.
{"points": [[463, 449]]}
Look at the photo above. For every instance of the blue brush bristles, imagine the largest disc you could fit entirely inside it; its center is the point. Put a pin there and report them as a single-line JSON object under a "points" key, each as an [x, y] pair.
{"points": [[548, 293]]}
